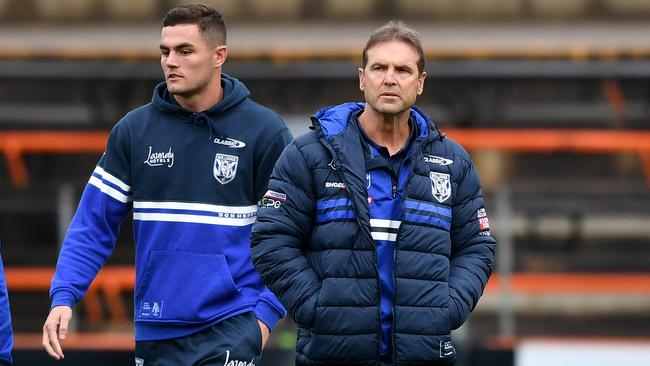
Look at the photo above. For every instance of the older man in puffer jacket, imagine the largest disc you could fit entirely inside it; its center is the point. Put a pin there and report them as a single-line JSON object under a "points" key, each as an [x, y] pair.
{"points": [[373, 232]]}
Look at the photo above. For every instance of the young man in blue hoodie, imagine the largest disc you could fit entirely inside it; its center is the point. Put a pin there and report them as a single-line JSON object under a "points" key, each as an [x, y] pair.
{"points": [[191, 165]]}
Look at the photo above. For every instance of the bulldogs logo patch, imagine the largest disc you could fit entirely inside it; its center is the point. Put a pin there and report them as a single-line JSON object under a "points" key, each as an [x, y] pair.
{"points": [[440, 186], [225, 168]]}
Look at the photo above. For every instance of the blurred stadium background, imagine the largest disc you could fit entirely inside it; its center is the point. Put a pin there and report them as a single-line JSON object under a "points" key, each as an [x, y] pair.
{"points": [[551, 97]]}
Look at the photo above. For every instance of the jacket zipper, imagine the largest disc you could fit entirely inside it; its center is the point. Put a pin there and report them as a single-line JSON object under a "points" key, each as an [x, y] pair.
{"points": [[417, 146]]}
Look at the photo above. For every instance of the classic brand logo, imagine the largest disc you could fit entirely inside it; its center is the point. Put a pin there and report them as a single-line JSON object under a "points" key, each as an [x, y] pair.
{"points": [[440, 186], [225, 168], [437, 160], [232, 143], [160, 158]]}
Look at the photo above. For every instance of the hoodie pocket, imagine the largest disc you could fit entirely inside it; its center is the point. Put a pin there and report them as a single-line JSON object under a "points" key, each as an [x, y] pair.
{"points": [[187, 287]]}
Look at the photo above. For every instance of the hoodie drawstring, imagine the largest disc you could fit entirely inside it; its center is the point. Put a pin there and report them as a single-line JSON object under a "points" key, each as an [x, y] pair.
{"points": [[200, 118]]}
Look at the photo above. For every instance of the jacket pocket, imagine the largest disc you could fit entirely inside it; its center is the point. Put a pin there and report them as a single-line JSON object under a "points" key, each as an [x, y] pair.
{"points": [[187, 287]]}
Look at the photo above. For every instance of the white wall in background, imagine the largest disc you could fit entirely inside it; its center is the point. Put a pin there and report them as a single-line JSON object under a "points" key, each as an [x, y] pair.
{"points": [[582, 353]]}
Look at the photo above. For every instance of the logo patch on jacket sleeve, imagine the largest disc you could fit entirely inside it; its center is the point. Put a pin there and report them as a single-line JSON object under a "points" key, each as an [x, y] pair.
{"points": [[440, 186], [483, 222], [446, 349], [225, 168], [273, 199]]}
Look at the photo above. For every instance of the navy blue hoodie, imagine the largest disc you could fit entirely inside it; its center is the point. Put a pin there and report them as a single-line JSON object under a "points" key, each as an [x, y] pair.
{"points": [[192, 181]]}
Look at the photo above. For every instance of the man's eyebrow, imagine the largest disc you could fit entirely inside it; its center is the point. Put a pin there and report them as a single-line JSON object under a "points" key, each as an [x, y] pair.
{"points": [[182, 45], [404, 66]]}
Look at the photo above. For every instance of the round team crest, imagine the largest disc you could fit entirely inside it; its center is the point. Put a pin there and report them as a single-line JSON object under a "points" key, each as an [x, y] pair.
{"points": [[225, 168], [440, 186]]}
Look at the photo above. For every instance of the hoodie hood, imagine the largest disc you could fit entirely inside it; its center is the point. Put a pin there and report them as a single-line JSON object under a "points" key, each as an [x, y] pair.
{"points": [[234, 93], [334, 120]]}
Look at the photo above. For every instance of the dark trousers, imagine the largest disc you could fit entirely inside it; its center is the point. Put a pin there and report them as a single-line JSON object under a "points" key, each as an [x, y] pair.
{"points": [[237, 340]]}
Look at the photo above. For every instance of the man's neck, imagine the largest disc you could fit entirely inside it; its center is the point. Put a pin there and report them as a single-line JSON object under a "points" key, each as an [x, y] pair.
{"points": [[203, 100], [391, 131]]}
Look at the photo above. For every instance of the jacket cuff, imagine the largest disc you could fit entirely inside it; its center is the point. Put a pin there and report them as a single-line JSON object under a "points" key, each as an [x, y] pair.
{"points": [[267, 313], [457, 315], [62, 298], [306, 313]]}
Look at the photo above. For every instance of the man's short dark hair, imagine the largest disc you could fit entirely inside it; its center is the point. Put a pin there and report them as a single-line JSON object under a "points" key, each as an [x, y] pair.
{"points": [[211, 24], [395, 31]]}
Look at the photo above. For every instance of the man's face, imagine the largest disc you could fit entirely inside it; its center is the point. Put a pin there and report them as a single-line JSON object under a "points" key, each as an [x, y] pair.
{"points": [[188, 61], [390, 81]]}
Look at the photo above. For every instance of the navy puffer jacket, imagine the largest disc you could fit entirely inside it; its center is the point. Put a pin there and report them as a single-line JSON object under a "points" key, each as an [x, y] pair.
{"points": [[312, 245]]}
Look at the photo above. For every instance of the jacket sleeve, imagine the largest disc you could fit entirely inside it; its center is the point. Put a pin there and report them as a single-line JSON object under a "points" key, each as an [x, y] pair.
{"points": [[472, 252], [267, 158], [91, 236], [6, 333], [283, 226], [269, 309]]}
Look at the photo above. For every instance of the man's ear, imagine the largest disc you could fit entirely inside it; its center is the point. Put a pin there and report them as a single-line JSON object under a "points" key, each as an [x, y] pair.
{"points": [[421, 79], [362, 79], [220, 55]]}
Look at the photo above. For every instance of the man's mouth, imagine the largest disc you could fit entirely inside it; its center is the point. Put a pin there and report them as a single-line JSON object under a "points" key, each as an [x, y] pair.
{"points": [[389, 95]]}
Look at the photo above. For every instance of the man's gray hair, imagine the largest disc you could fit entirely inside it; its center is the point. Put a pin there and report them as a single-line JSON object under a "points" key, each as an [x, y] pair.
{"points": [[395, 31]]}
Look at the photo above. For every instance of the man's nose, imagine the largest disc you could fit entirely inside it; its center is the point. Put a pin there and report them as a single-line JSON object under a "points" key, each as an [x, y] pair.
{"points": [[389, 77], [171, 60]]}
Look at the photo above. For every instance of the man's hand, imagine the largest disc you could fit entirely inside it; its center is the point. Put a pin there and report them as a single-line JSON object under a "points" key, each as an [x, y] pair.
{"points": [[265, 332], [56, 328]]}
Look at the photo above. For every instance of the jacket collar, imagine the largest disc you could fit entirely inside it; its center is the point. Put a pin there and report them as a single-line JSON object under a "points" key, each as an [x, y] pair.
{"points": [[335, 119], [344, 141]]}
